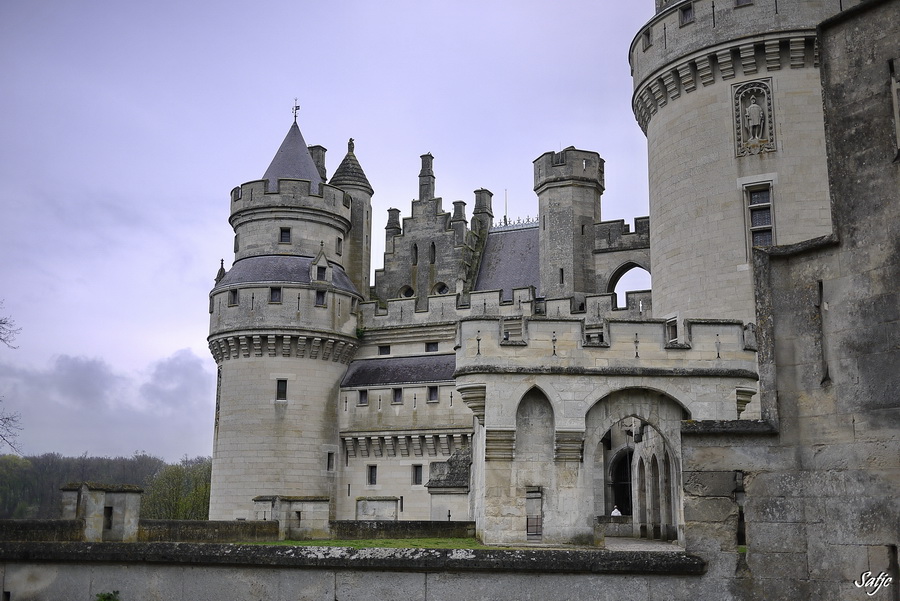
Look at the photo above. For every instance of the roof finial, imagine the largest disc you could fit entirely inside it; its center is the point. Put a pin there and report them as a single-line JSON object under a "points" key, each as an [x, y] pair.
{"points": [[295, 109], [350, 146]]}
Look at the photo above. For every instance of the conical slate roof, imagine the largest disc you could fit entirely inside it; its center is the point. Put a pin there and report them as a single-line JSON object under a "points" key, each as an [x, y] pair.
{"points": [[293, 161], [350, 173]]}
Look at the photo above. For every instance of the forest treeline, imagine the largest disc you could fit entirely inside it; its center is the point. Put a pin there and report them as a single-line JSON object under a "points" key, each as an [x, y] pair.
{"points": [[30, 486]]}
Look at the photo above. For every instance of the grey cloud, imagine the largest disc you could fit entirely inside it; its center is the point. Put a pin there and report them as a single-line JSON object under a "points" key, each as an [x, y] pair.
{"points": [[179, 381]]}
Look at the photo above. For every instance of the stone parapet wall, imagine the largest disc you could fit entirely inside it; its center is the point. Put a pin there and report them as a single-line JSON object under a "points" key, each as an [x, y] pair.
{"points": [[279, 573], [375, 529], [203, 531], [42, 530]]}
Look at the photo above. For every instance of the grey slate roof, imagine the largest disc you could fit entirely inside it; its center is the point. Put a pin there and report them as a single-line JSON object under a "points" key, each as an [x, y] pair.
{"points": [[279, 268], [293, 161], [399, 370], [350, 173], [510, 260]]}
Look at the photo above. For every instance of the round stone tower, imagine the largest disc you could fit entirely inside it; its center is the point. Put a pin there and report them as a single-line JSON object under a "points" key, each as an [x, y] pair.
{"points": [[282, 329], [728, 94]]}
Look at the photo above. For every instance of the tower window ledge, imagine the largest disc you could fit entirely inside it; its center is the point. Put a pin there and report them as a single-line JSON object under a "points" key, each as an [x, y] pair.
{"points": [[683, 346]]}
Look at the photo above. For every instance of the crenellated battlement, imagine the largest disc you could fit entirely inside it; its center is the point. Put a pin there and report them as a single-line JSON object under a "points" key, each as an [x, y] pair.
{"points": [[610, 236], [613, 345], [592, 309], [290, 193], [567, 166]]}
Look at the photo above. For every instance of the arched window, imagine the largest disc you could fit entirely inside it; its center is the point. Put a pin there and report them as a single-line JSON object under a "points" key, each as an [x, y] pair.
{"points": [[627, 278]]}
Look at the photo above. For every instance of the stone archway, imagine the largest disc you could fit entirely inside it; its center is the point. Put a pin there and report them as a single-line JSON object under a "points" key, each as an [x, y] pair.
{"points": [[640, 428]]}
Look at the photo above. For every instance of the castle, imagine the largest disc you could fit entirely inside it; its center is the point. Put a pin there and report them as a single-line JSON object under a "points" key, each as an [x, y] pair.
{"points": [[747, 403]]}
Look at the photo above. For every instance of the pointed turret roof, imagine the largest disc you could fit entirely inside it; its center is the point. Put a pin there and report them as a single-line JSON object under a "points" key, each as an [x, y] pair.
{"points": [[350, 173], [293, 161]]}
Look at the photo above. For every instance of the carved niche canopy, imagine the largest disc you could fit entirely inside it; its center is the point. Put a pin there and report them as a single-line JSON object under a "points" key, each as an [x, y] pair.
{"points": [[754, 123]]}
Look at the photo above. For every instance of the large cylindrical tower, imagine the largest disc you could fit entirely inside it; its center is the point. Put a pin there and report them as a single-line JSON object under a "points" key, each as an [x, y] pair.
{"points": [[282, 329], [729, 96]]}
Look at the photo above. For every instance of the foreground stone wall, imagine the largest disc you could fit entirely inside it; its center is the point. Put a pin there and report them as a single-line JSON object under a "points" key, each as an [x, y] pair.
{"points": [[223, 572]]}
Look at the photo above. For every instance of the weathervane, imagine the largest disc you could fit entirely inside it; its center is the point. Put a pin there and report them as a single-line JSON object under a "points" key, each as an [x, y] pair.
{"points": [[295, 109]]}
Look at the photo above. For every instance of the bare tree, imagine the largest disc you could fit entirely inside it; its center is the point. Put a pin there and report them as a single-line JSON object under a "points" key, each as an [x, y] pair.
{"points": [[9, 422], [8, 330]]}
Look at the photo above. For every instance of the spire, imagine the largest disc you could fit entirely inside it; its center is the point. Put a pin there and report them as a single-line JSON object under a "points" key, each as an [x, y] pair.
{"points": [[350, 173], [293, 161], [221, 272]]}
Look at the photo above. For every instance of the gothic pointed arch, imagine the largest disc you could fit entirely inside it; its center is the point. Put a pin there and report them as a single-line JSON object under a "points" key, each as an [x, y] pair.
{"points": [[535, 427]]}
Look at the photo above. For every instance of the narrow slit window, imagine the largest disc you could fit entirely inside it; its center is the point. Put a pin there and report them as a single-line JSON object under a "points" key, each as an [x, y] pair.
{"points": [[762, 227]]}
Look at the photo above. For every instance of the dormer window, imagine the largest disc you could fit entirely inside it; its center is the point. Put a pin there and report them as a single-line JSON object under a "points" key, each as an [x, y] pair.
{"points": [[320, 272]]}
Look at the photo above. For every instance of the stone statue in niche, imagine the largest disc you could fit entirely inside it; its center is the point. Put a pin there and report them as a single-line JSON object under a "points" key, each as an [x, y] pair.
{"points": [[754, 125], [755, 117]]}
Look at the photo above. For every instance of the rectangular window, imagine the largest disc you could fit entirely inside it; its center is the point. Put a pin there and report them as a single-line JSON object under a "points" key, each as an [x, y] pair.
{"points": [[646, 38], [762, 228], [281, 390], [672, 330], [233, 298], [363, 398], [743, 2], [397, 398], [284, 235], [320, 298], [275, 294], [107, 518], [432, 394], [431, 347], [686, 14], [329, 462], [339, 246], [320, 273], [384, 349], [371, 475], [236, 243], [417, 475]]}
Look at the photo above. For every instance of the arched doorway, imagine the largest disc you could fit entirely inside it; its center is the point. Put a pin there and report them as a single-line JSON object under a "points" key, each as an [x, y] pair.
{"points": [[620, 484], [635, 438]]}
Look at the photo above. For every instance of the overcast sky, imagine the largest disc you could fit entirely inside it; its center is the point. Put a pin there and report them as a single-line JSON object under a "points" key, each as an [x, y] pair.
{"points": [[125, 125]]}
